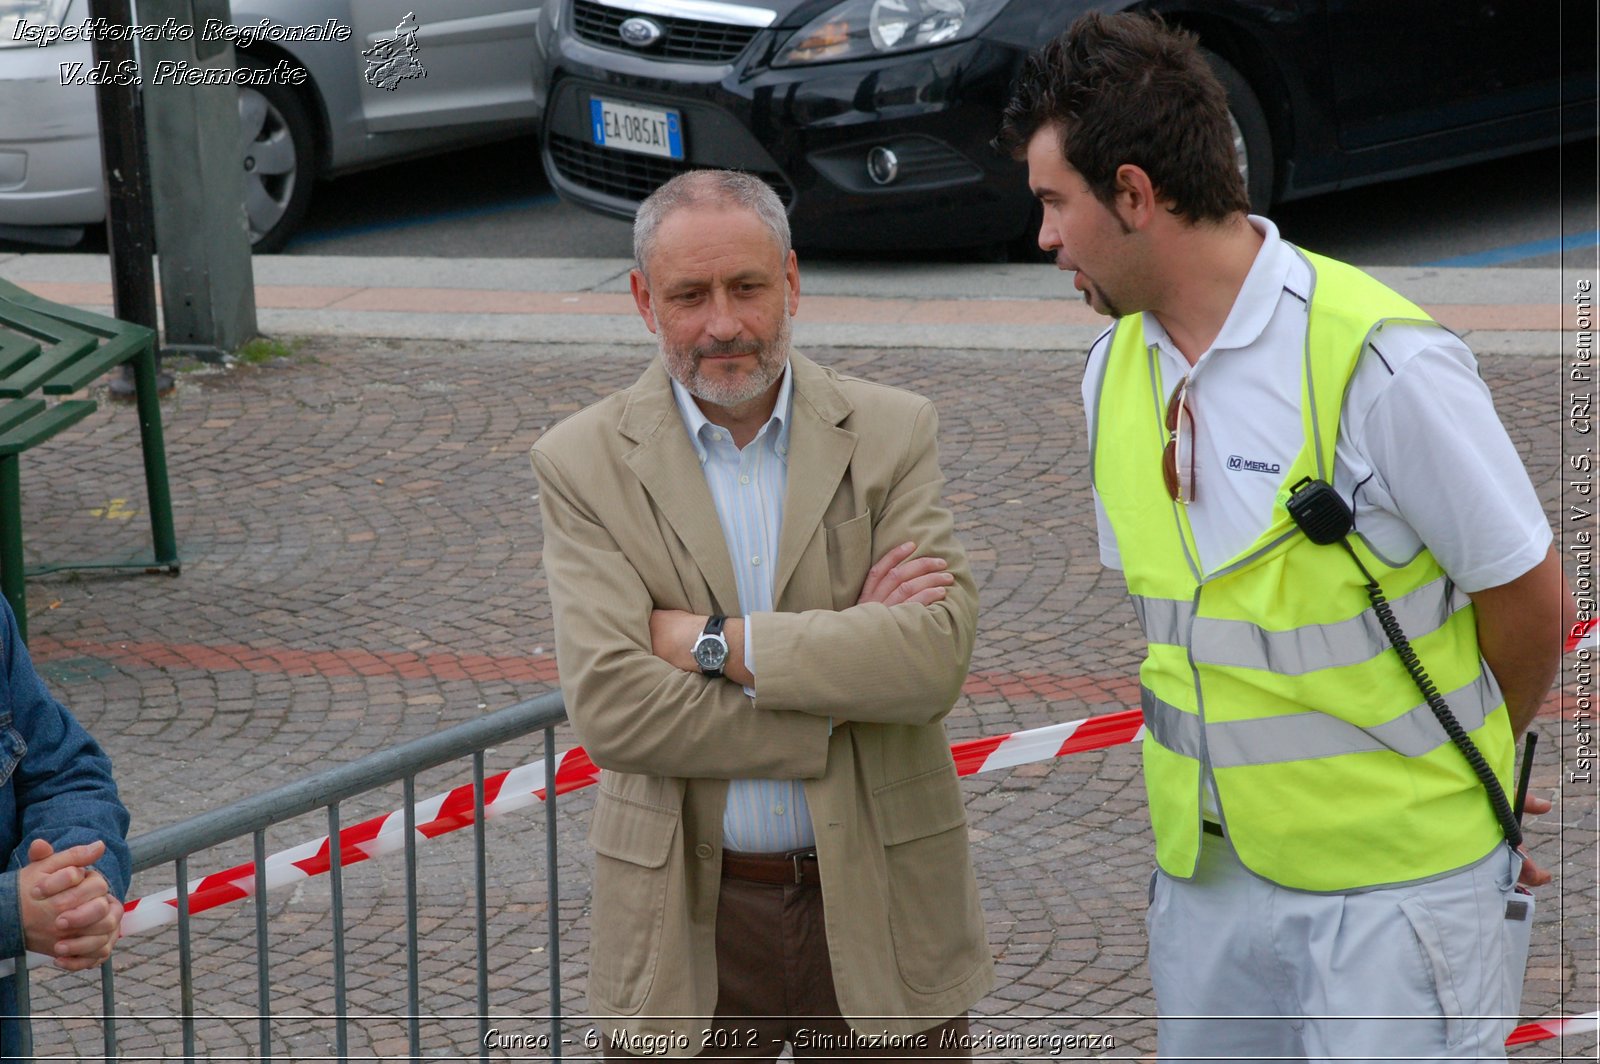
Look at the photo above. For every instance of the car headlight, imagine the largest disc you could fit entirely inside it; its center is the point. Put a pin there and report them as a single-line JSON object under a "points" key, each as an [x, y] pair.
{"points": [[29, 23], [860, 29]]}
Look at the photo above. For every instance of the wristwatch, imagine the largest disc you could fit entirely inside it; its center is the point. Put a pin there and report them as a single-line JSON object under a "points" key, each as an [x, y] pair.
{"points": [[711, 649]]}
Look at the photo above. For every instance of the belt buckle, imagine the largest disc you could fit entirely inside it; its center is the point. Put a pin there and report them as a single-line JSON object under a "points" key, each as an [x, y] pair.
{"points": [[797, 857]]}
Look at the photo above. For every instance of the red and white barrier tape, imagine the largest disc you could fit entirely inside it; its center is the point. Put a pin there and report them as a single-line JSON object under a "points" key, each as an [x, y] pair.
{"points": [[523, 786], [503, 792], [1584, 634], [1043, 744], [1556, 1027]]}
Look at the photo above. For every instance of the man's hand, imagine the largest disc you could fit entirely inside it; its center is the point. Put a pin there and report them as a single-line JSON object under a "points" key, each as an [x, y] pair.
{"points": [[68, 910], [1532, 875], [894, 580]]}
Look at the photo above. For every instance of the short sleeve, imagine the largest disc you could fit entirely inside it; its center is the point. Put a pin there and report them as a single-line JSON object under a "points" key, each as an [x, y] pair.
{"points": [[1443, 463]]}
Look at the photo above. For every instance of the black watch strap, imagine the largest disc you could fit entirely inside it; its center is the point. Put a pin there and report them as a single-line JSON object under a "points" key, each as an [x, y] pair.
{"points": [[711, 637]]}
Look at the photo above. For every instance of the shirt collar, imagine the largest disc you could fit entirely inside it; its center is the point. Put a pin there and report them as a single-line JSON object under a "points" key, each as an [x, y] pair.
{"points": [[1257, 299], [699, 426]]}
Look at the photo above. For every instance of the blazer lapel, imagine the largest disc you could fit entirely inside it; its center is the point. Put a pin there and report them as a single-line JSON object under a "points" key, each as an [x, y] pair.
{"points": [[666, 464], [819, 454]]}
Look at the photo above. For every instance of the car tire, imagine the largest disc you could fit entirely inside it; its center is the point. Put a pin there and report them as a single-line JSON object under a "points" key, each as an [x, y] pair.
{"points": [[1252, 136], [278, 152]]}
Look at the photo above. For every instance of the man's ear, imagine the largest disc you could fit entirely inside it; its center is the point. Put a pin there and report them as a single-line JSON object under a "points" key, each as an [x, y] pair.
{"points": [[641, 298], [791, 273], [1136, 197]]}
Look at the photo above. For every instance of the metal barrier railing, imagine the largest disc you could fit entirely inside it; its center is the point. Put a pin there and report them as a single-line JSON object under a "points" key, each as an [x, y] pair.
{"points": [[173, 845]]}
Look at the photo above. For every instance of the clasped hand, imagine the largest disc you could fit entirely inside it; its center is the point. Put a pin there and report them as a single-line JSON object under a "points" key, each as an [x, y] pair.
{"points": [[68, 910]]}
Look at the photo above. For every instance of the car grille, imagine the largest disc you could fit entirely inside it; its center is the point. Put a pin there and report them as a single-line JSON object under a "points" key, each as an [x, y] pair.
{"points": [[629, 175], [688, 39]]}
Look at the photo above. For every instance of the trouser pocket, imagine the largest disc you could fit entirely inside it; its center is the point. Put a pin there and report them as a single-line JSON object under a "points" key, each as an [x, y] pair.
{"points": [[1436, 962]]}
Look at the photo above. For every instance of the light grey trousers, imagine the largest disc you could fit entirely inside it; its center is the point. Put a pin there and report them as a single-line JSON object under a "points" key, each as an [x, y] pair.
{"points": [[1384, 975]]}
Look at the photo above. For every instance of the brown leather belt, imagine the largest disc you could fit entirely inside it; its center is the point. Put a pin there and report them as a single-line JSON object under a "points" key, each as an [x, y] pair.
{"points": [[797, 866]]}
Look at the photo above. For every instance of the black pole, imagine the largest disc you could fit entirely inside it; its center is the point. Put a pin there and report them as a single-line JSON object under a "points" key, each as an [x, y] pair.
{"points": [[130, 224], [130, 221]]}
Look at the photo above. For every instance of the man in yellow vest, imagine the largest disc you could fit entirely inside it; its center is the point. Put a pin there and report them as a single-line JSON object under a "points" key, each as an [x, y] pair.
{"points": [[1331, 864]]}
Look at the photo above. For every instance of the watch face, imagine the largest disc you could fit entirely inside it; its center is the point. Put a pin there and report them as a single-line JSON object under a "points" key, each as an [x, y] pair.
{"points": [[710, 652]]}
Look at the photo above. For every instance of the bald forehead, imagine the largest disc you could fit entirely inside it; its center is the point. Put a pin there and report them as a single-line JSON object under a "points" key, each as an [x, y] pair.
{"points": [[704, 227]]}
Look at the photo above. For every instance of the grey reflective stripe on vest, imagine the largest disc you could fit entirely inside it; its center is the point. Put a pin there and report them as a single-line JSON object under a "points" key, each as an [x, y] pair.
{"points": [[1295, 651], [1163, 620], [1170, 726], [1307, 736]]}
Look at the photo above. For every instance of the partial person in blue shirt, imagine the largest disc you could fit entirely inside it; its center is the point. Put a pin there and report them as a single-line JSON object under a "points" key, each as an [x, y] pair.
{"points": [[62, 825]]}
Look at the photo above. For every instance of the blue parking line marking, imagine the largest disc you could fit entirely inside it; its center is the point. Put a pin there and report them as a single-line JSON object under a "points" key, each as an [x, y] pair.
{"points": [[321, 235], [1518, 252]]}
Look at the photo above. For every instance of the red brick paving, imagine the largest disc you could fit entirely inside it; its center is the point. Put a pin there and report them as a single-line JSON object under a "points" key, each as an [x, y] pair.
{"points": [[361, 567], [292, 662]]}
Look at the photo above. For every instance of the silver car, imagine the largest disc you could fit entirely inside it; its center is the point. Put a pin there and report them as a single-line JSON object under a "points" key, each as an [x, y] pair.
{"points": [[352, 84]]}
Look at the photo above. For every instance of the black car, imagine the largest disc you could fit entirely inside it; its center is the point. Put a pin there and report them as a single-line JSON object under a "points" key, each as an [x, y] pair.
{"points": [[873, 118]]}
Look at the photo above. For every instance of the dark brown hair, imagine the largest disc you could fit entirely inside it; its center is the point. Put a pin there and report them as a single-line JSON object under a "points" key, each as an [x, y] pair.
{"points": [[1127, 88]]}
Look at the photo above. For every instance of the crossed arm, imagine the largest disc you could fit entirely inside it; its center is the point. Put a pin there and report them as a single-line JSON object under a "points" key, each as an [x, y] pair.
{"points": [[895, 578], [633, 712], [899, 655]]}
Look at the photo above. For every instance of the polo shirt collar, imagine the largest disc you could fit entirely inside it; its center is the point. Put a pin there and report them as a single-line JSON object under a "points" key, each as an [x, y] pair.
{"points": [[1257, 300], [697, 424]]}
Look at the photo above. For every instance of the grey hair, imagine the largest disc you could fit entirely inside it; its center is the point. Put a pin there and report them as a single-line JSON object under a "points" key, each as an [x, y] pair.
{"points": [[697, 188]]}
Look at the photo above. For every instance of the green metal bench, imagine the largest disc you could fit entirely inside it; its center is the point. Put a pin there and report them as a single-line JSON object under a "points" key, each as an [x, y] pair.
{"points": [[58, 350]]}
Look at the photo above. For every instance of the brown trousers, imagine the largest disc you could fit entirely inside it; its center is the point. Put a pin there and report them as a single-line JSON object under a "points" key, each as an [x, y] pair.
{"points": [[775, 985]]}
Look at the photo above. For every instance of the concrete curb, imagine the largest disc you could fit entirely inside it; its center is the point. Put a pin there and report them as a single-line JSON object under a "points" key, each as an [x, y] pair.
{"points": [[946, 306]]}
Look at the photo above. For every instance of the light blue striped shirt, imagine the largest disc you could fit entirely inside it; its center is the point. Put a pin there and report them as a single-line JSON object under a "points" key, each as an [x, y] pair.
{"points": [[762, 816]]}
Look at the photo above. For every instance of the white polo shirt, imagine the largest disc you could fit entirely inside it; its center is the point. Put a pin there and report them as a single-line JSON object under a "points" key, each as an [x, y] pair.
{"points": [[1421, 457]]}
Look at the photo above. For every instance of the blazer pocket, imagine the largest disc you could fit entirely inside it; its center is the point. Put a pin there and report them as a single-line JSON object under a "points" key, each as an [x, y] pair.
{"points": [[920, 805], [849, 558], [632, 831], [935, 920], [632, 843]]}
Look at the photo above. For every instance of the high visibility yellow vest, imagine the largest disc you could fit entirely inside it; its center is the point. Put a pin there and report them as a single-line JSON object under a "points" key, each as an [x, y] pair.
{"points": [[1272, 673]]}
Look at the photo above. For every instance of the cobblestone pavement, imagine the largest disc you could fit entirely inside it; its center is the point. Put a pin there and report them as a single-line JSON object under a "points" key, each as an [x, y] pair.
{"points": [[360, 543]]}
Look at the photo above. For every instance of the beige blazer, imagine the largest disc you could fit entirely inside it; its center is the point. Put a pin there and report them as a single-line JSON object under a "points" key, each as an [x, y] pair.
{"points": [[629, 526]]}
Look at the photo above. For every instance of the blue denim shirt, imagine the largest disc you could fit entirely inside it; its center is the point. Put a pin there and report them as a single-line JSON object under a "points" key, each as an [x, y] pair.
{"points": [[55, 784]]}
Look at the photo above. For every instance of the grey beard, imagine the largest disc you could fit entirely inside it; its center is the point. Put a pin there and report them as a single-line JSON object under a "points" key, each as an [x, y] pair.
{"points": [[771, 360]]}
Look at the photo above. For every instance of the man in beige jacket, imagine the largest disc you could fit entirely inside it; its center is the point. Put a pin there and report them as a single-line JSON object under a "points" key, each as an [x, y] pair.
{"points": [[781, 846]]}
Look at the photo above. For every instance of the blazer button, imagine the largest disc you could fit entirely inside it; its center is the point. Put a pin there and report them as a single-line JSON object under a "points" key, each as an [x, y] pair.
{"points": [[704, 851]]}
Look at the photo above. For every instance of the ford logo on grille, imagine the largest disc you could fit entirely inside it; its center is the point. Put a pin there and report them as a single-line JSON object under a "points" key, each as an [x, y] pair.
{"points": [[640, 32]]}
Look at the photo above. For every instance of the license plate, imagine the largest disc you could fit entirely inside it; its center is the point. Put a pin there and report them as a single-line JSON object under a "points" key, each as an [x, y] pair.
{"points": [[629, 127]]}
